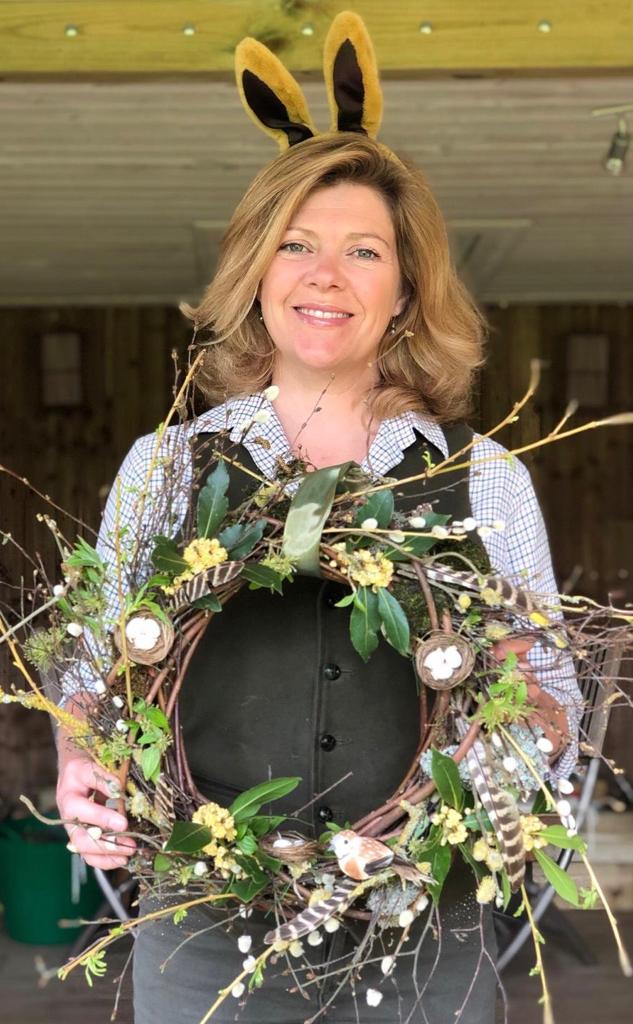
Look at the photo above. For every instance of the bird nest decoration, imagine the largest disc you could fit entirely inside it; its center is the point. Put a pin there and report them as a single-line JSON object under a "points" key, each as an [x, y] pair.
{"points": [[480, 778]]}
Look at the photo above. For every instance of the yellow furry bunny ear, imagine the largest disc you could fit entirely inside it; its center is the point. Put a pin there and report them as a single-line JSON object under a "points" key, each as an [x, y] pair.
{"points": [[351, 76], [272, 98]]}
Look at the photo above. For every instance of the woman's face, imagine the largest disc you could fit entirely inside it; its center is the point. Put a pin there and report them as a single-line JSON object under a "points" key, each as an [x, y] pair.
{"points": [[334, 283]]}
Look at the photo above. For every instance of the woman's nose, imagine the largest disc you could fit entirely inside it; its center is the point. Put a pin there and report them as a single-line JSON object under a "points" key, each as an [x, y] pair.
{"points": [[325, 271]]}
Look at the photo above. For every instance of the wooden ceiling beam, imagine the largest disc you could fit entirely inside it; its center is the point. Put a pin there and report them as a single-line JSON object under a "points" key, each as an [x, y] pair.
{"points": [[129, 38]]}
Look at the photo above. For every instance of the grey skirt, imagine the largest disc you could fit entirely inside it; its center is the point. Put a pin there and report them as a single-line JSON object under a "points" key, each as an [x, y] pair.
{"points": [[446, 975]]}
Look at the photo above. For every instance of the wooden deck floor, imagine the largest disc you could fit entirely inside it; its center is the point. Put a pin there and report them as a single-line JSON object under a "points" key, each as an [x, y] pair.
{"points": [[582, 994]]}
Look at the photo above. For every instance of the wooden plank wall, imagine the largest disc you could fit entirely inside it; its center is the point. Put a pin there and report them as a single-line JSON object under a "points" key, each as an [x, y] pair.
{"points": [[584, 484]]}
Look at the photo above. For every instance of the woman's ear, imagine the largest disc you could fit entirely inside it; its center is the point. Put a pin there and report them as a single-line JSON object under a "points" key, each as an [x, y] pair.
{"points": [[272, 98], [351, 77]]}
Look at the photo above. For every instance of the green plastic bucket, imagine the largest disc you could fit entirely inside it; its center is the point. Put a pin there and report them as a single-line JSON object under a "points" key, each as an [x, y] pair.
{"points": [[41, 882]]}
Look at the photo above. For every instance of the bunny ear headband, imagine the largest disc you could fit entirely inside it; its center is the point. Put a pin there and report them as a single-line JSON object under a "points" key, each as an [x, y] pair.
{"points": [[274, 100]]}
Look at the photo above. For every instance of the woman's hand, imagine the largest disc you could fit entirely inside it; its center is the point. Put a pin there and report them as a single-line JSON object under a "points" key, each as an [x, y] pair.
{"points": [[548, 714], [79, 779]]}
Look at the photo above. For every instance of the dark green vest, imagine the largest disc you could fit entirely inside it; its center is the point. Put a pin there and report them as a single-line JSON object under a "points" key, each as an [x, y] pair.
{"points": [[275, 687]]}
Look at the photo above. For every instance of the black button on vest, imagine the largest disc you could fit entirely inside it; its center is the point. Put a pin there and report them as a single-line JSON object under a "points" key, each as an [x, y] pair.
{"points": [[257, 701]]}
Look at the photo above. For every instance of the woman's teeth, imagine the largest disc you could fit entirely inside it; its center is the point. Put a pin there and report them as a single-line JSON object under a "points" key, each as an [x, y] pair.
{"points": [[323, 314]]}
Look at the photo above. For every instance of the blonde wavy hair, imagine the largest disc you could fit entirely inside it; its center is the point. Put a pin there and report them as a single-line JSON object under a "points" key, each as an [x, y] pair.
{"points": [[427, 365]]}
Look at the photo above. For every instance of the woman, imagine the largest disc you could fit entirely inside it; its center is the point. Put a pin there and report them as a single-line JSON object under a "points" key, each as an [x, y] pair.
{"points": [[336, 269]]}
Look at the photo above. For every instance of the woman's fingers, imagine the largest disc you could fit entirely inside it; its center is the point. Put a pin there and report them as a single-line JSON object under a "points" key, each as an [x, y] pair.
{"points": [[96, 846], [93, 777], [81, 809]]}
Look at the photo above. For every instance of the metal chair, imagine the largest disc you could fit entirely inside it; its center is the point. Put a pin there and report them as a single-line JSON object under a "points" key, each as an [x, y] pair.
{"points": [[597, 676]]}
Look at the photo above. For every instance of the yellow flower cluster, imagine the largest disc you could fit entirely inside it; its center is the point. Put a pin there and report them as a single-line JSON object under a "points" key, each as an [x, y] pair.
{"points": [[220, 822], [200, 555], [452, 825], [365, 567], [486, 890], [532, 826], [484, 850]]}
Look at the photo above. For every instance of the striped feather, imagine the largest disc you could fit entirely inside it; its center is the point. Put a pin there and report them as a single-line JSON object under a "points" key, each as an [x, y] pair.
{"points": [[205, 583], [508, 595], [503, 812], [313, 917]]}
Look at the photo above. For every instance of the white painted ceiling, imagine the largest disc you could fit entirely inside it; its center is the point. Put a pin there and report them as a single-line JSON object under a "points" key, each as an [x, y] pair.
{"points": [[119, 192]]}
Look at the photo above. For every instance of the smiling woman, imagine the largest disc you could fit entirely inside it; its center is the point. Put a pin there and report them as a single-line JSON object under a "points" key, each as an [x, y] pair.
{"points": [[370, 217]]}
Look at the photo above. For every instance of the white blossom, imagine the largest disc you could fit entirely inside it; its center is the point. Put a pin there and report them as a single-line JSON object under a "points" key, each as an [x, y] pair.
{"points": [[74, 629], [143, 632], [496, 739], [296, 948], [564, 808], [469, 523], [261, 416], [544, 744], [271, 393], [244, 943], [565, 786], [396, 537], [237, 990], [249, 964], [121, 725], [314, 938], [244, 911], [509, 763], [422, 902], [100, 686], [59, 590], [442, 662], [118, 701], [417, 522], [386, 964], [374, 997], [484, 531], [369, 524], [331, 925], [244, 425], [200, 868], [498, 524], [440, 532], [405, 918], [94, 832]]}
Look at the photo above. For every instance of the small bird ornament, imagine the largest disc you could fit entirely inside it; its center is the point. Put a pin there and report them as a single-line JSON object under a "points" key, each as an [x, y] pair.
{"points": [[359, 857]]}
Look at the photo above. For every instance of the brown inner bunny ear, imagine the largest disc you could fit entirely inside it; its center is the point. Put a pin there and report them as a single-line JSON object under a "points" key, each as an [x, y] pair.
{"points": [[270, 110], [349, 90]]}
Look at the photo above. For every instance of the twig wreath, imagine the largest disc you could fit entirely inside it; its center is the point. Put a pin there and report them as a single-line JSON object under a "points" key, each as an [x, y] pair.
{"points": [[479, 783]]}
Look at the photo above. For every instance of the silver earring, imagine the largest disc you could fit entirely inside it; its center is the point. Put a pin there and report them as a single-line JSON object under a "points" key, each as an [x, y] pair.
{"points": [[392, 329], [261, 318]]}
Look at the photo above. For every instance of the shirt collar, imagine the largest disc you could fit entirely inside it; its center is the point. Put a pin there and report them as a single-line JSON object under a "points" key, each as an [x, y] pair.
{"points": [[267, 441]]}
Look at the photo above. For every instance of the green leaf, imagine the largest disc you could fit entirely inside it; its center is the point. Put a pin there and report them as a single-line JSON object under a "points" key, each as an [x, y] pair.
{"points": [[379, 506], [417, 545], [187, 837], [252, 869], [307, 516], [395, 622], [252, 534], [208, 603], [262, 576], [346, 601], [557, 836], [246, 889], [507, 891], [150, 763], [157, 717], [364, 622], [440, 857], [161, 863], [167, 558], [540, 805], [248, 803], [248, 844], [268, 862], [212, 501], [557, 878], [445, 775], [231, 535], [262, 824]]}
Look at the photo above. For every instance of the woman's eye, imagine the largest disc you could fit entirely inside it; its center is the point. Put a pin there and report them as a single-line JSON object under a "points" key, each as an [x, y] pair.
{"points": [[292, 247], [367, 253]]}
